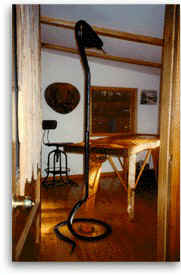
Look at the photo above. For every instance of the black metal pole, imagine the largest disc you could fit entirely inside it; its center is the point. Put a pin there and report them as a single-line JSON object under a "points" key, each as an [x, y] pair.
{"points": [[78, 34]]}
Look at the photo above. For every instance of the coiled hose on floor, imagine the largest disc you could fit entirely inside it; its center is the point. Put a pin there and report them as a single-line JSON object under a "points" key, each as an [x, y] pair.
{"points": [[86, 37]]}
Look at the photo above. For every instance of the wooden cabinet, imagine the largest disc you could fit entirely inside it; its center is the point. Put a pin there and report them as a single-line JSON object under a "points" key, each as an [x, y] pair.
{"points": [[113, 110]]}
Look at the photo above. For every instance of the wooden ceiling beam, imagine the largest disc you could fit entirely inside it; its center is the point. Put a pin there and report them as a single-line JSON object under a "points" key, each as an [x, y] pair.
{"points": [[102, 55], [104, 31]]}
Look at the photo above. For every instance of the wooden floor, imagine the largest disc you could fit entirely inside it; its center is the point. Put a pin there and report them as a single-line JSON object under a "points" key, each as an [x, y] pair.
{"points": [[129, 241]]}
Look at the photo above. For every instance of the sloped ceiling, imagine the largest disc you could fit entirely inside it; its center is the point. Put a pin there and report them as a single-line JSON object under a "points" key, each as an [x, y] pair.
{"points": [[139, 19]]}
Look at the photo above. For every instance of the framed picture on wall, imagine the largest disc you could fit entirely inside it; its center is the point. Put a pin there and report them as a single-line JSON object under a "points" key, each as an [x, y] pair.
{"points": [[148, 97], [112, 110]]}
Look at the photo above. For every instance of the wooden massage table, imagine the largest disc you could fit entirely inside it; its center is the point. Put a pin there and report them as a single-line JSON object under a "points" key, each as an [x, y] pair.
{"points": [[125, 148]]}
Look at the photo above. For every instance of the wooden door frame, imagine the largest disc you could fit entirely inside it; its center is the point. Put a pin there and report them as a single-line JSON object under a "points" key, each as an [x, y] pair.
{"points": [[168, 182], [22, 223]]}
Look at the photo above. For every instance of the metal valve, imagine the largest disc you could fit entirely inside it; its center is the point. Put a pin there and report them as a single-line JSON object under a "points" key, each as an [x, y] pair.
{"points": [[25, 202]]}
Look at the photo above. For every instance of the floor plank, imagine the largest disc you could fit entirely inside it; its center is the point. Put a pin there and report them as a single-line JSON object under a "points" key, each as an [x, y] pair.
{"points": [[129, 241]]}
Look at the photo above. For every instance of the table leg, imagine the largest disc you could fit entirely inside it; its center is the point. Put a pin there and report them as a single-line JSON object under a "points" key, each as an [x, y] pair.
{"points": [[131, 185], [125, 169], [155, 158], [94, 177], [143, 166], [117, 173], [96, 162]]}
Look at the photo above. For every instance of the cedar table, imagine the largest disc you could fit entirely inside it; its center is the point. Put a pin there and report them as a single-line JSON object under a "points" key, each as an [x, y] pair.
{"points": [[125, 147]]}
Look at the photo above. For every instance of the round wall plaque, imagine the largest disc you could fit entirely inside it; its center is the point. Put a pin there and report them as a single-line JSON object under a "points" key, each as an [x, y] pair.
{"points": [[63, 98]]}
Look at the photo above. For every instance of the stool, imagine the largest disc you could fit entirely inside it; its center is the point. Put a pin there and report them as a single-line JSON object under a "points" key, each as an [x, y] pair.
{"points": [[56, 159]]}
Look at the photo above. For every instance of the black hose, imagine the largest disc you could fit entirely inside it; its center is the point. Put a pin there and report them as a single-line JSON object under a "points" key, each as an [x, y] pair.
{"points": [[85, 37]]}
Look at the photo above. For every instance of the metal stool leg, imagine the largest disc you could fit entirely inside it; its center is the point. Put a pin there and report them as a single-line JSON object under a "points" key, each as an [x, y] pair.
{"points": [[54, 166], [60, 165], [60, 171], [65, 170], [45, 181], [57, 169], [68, 180]]}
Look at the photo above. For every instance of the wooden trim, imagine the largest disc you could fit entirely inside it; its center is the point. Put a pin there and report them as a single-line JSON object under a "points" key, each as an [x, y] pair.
{"points": [[165, 117], [25, 232], [14, 110], [14, 189], [102, 55], [37, 186], [104, 31], [29, 220], [29, 99], [23, 219], [173, 242]]}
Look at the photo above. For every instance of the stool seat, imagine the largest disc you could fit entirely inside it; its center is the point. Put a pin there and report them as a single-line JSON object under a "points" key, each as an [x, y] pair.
{"points": [[57, 144]]}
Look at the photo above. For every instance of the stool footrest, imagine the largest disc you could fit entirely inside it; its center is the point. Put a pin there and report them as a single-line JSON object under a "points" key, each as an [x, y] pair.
{"points": [[55, 172]]}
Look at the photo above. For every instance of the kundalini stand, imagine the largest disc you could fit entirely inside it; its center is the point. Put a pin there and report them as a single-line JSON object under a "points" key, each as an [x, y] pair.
{"points": [[86, 38]]}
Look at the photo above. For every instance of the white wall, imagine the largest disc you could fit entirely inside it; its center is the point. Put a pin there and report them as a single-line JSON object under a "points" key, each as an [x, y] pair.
{"points": [[57, 67]]}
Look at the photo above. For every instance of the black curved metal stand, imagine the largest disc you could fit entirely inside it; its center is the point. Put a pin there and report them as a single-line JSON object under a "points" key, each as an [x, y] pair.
{"points": [[86, 38]]}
